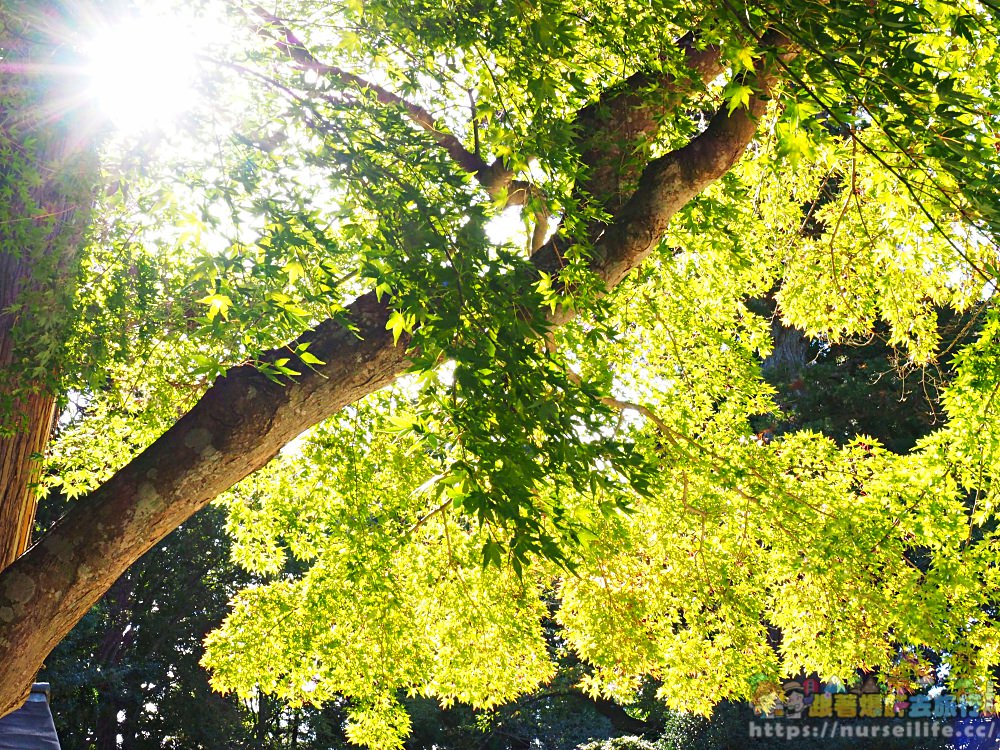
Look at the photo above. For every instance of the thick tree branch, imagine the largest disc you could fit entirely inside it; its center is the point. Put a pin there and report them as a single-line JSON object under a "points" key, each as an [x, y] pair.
{"points": [[244, 419], [239, 425], [666, 184], [620, 719], [615, 132]]}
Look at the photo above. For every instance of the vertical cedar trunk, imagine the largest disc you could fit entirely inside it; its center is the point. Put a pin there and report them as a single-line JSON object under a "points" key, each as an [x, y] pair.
{"points": [[19, 473], [790, 354], [47, 175], [293, 742], [262, 719], [25, 429]]}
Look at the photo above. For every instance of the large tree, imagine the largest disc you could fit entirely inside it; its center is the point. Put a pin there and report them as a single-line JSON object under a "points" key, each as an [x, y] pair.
{"points": [[577, 428]]}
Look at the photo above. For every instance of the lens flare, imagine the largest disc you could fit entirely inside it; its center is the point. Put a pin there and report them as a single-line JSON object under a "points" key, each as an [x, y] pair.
{"points": [[142, 72]]}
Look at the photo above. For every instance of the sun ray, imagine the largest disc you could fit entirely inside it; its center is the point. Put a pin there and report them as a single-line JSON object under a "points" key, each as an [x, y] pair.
{"points": [[142, 71]]}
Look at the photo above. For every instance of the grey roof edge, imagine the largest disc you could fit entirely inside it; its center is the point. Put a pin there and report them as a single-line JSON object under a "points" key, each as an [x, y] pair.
{"points": [[40, 691], [30, 727]]}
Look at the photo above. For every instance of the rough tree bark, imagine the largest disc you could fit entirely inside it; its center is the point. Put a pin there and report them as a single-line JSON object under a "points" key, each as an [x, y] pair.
{"points": [[48, 174], [28, 403], [244, 419]]}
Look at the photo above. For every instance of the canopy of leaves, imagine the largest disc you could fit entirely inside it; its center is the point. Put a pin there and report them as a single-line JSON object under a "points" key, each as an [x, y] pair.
{"points": [[608, 469]]}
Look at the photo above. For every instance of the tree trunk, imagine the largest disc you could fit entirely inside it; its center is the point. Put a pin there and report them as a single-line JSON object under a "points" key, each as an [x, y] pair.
{"points": [[790, 354], [293, 742], [48, 173], [106, 731], [25, 411], [19, 473]]}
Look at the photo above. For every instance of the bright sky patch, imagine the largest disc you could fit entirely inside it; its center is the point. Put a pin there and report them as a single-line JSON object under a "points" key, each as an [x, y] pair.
{"points": [[142, 71]]}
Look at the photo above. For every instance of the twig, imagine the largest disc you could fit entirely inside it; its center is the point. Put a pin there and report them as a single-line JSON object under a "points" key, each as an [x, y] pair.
{"points": [[428, 516]]}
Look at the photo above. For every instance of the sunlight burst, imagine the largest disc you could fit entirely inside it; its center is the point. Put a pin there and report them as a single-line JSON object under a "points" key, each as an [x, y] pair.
{"points": [[142, 72]]}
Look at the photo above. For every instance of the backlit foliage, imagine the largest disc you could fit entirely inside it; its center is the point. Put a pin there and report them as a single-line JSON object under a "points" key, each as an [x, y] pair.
{"points": [[605, 473]]}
